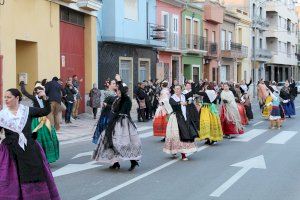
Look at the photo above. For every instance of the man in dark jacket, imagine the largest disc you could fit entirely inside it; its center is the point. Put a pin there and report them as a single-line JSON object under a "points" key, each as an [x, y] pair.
{"points": [[141, 97], [54, 91]]}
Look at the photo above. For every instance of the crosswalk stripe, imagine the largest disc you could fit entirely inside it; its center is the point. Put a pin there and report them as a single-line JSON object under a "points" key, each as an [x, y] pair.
{"points": [[249, 135], [282, 137], [146, 135], [144, 128]]}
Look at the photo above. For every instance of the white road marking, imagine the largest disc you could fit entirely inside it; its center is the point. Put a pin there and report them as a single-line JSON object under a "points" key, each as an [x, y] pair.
{"points": [[83, 139], [257, 162], [298, 107], [146, 135], [249, 135], [89, 153], [118, 187], [282, 137], [144, 128], [258, 123], [73, 168]]}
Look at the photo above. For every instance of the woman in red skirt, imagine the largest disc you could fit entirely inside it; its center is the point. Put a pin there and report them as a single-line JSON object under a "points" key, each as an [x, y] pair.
{"points": [[230, 116]]}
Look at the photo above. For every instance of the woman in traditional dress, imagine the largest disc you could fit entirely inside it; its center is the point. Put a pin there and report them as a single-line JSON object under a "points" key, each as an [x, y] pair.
{"points": [[191, 108], [161, 115], [262, 93], [180, 135], [241, 108], [275, 115], [120, 140], [210, 124], [46, 134], [246, 102], [109, 97], [230, 116], [95, 99], [287, 100], [25, 172]]}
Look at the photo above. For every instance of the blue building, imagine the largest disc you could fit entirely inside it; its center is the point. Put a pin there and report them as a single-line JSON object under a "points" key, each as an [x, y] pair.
{"points": [[127, 38]]}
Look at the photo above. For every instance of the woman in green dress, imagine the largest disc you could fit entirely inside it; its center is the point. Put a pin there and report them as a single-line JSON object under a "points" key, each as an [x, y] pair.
{"points": [[43, 132]]}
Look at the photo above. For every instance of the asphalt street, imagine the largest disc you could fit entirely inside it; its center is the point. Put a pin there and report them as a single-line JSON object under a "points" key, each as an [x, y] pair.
{"points": [[262, 164]]}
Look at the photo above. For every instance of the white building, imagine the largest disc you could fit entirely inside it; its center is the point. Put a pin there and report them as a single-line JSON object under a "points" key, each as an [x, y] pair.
{"points": [[281, 39]]}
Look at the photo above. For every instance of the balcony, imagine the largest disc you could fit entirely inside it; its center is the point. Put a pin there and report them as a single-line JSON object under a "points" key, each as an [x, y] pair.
{"points": [[260, 23], [212, 49], [157, 35], [172, 42], [89, 5], [193, 44], [233, 50], [262, 55]]}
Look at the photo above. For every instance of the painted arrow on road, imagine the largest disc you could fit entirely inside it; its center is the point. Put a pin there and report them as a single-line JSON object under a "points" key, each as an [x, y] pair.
{"points": [[256, 162], [73, 168]]}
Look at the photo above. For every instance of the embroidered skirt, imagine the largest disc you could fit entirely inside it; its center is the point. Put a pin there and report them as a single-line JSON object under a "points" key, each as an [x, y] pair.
{"points": [[210, 124], [48, 140], [101, 125], [267, 108], [289, 108], [275, 113], [126, 143], [12, 189], [173, 144], [160, 122], [228, 126], [242, 111]]}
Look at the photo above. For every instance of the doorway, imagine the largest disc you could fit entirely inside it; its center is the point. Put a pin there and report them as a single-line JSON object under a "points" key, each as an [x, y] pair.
{"points": [[144, 70], [175, 70], [239, 72], [27, 62], [125, 69]]}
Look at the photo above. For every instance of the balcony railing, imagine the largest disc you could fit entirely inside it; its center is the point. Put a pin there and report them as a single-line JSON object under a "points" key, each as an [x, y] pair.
{"points": [[90, 5], [234, 50], [212, 49], [263, 54], [173, 41], [193, 42], [156, 32], [260, 22]]}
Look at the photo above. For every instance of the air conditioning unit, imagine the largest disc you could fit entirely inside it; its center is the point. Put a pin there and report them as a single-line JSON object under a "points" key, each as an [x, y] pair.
{"points": [[70, 1], [89, 5]]}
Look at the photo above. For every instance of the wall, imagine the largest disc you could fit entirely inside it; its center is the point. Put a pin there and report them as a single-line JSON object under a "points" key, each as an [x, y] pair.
{"points": [[108, 59], [40, 25], [117, 28]]}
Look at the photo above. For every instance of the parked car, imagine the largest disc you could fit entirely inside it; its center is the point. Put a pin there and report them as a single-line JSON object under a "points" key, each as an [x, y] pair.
{"points": [[280, 85]]}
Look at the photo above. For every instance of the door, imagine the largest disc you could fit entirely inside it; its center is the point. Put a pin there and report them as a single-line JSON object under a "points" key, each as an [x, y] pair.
{"points": [[196, 73], [175, 70], [144, 70], [72, 52], [126, 73], [223, 73]]}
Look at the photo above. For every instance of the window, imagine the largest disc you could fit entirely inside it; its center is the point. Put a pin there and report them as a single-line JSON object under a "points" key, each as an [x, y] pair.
{"points": [[260, 12], [131, 9], [206, 33], [223, 39], [175, 32], [253, 43], [279, 46], [279, 21], [188, 37], [196, 27], [260, 43], [213, 36], [71, 16], [143, 71], [229, 40], [165, 20], [253, 10]]}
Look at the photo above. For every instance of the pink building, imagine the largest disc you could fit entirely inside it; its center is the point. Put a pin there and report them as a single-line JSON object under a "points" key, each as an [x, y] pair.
{"points": [[169, 16], [212, 20]]}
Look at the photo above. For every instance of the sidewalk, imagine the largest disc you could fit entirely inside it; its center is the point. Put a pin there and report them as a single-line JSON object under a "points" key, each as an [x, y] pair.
{"points": [[85, 125]]}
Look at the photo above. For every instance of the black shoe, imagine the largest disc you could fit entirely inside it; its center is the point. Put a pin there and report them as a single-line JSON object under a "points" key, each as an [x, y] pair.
{"points": [[207, 142], [115, 166], [163, 140], [134, 163]]}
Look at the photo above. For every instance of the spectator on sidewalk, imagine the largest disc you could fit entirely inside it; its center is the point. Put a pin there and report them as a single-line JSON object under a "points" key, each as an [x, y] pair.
{"points": [[69, 100], [55, 92], [95, 99], [76, 84], [141, 98]]}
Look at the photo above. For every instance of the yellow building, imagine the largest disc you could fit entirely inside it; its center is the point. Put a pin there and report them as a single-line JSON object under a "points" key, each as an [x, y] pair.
{"points": [[243, 36], [41, 39]]}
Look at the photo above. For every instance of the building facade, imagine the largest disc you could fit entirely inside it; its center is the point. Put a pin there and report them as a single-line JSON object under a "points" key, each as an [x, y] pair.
{"points": [[193, 48], [127, 39], [282, 39], [37, 44], [231, 51], [169, 65], [212, 20]]}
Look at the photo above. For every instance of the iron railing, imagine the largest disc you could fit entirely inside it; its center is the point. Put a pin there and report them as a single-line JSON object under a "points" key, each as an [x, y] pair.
{"points": [[232, 49], [193, 42]]}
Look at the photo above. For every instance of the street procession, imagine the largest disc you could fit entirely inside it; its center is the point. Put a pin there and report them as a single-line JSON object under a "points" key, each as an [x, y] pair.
{"points": [[149, 99]]}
